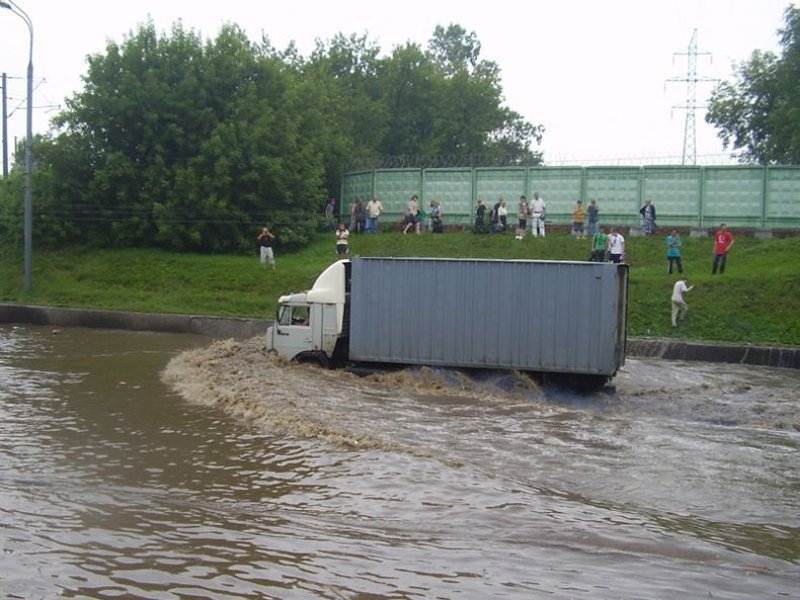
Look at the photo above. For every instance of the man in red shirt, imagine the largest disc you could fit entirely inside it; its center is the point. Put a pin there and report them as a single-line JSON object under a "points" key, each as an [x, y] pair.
{"points": [[723, 240]]}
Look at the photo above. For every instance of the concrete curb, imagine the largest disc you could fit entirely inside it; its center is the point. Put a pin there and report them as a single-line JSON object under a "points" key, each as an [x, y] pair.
{"points": [[227, 327], [768, 356], [217, 327]]}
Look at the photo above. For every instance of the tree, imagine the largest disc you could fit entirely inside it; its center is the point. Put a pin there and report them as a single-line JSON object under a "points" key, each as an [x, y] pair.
{"points": [[411, 94], [447, 103], [454, 49], [187, 146], [759, 113], [343, 103]]}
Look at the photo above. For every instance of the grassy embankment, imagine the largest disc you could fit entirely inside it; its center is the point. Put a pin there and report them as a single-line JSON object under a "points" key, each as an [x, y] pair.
{"points": [[755, 301]]}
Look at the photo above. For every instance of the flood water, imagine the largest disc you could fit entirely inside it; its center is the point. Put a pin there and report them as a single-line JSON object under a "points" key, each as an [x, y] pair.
{"points": [[137, 465]]}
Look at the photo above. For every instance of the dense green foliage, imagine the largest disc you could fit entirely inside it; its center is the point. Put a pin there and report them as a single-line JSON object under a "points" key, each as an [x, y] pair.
{"points": [[759, 113], [755, 301], [184, 144]]}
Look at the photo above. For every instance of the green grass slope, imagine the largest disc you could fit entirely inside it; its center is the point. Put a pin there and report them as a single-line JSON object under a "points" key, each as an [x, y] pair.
{"points": [[755, 301]]}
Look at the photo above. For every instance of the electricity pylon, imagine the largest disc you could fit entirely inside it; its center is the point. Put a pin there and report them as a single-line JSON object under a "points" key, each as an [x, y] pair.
{"points": [[691, 80]]}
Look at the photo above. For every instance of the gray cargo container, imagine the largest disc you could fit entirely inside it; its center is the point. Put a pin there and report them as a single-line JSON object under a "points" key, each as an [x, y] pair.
{"points": [[541, 316], [546, 316]]}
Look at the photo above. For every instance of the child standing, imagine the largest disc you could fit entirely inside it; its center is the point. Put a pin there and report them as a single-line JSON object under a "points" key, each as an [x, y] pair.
{"points": [[342, 245]]}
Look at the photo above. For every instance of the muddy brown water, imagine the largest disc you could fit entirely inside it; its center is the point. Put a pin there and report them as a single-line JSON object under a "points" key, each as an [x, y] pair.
{"points": [[138, 465]]}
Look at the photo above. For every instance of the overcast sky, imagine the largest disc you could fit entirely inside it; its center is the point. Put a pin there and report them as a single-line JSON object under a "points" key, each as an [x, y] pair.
{"points": [[595, 74]]}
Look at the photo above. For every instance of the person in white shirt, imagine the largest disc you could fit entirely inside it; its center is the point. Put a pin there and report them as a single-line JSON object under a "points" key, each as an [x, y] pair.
{"points": [[679, 306], [538, 210], [616, 246], [502, 216], [374, 210]]}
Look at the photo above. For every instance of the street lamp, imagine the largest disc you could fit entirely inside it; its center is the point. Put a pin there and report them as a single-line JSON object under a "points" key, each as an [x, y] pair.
{"points": [[28, 218]]}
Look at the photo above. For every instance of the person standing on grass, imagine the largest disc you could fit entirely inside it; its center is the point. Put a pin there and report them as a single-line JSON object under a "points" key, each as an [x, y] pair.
{"points": [[522, 217], [648, 212], [412, 214], [674, 243], [437, 216], [265, 239], [538, 210], [599, 244], [358, 216], [480, 217], [578, 216], [502, 215], [342, 245], [593, 215], [330, 210], [494, 216], [374, 210], [679, 306], [723, 240], [616, 246]]}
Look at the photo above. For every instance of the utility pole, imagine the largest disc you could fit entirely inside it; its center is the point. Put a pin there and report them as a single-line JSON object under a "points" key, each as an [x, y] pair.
{"points": [[27, 219], [691, 80], [5, 128]]}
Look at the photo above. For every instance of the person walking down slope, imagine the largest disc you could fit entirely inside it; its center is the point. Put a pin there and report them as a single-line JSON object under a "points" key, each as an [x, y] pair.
{"points": [[265, 239], [679, 306]]}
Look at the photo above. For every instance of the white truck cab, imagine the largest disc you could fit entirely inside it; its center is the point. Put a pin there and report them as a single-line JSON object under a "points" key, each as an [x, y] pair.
{"points": [[309, 324]]}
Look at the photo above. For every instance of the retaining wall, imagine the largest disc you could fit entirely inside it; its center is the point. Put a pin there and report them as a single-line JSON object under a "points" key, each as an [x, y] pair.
{"points": [[227, 327], [768, 356], [217, 327]]}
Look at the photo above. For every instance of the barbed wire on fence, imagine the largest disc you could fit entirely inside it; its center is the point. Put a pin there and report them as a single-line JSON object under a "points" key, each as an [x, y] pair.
{"points": [[534, 159], [443, 161]]}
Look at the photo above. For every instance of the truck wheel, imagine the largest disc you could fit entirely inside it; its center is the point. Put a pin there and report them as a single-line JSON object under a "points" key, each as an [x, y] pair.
{"points": [[322, 358]]}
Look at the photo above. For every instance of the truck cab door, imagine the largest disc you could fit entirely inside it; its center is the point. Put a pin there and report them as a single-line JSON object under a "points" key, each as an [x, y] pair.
{"points": [[293, 333]]}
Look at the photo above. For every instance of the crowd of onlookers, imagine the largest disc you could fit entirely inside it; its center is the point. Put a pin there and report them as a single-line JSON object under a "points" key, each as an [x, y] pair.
{"points": [[364, 218], [607, 243]]}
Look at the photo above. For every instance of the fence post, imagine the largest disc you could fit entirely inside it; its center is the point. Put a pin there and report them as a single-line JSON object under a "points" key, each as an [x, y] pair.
{"points": [[701, 198], [642, 179], [764, 199], [474, 188]]}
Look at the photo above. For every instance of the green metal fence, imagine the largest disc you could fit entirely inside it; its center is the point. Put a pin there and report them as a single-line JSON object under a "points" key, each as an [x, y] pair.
{"points": [[743, 196]]}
